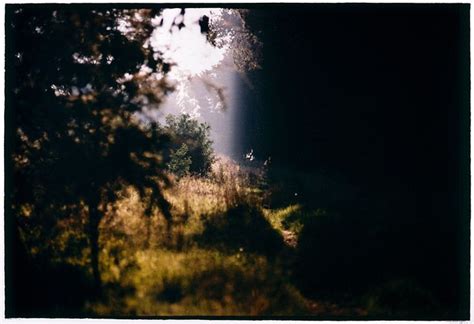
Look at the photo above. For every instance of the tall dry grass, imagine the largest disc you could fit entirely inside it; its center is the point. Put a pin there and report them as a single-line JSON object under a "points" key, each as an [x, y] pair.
{"points": [[147, 271]]}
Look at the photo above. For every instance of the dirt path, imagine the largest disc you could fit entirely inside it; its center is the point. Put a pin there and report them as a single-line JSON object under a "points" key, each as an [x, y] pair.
{"points": [[290, 238]]}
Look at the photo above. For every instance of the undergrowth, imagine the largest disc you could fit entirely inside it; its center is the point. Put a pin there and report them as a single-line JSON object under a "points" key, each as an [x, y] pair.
{"points": [[226, 252], [220, 258]]}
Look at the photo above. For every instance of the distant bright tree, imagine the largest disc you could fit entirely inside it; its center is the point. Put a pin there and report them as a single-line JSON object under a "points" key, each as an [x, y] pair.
{"points": [[75, 79], [183, 129]]}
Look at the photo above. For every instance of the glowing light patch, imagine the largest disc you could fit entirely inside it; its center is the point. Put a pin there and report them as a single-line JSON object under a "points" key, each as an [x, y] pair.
{"points": [[204, 76], [186, 47]]}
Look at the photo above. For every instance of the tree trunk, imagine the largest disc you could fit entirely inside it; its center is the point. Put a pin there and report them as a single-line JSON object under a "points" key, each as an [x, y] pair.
{"points": [[148, 232], [94, 220], [165, 209]]}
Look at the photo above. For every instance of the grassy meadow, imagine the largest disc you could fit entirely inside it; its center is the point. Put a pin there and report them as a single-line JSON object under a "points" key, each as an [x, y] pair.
{"points": [[224, 253]]}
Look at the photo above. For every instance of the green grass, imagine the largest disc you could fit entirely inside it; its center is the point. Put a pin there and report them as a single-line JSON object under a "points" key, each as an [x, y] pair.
{"points": [[200, 282], [277, 217]]}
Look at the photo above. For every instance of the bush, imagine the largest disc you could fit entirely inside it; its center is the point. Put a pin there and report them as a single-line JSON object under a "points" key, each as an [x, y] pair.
{"points": [[180, 161], [187, 131], [242, 228]]}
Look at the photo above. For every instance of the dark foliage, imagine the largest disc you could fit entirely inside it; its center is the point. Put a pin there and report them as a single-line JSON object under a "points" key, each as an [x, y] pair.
{"points": [[403, 298], [349, 250], [43, 289], [387, 110], [74, 88]]}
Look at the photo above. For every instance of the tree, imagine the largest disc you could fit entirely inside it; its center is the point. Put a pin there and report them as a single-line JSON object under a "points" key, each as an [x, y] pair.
{"points": [[76, 79], [184, 130], [180, 161]]}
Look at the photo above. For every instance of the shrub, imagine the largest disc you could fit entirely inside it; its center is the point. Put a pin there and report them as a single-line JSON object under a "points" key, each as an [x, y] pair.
{"points": [[241, 228], [185, 130], [180, 161]]}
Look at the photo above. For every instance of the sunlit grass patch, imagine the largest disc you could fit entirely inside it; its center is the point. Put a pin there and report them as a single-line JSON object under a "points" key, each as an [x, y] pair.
{"points": [[276, 217], [289, 221], [204, 282]]}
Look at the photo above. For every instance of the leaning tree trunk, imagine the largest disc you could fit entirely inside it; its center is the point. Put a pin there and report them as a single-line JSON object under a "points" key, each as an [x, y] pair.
{"points": [[94, 220]]}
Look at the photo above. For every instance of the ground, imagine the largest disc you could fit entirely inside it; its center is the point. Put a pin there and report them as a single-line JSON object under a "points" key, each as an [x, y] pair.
{"points": [[229, 252]]}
